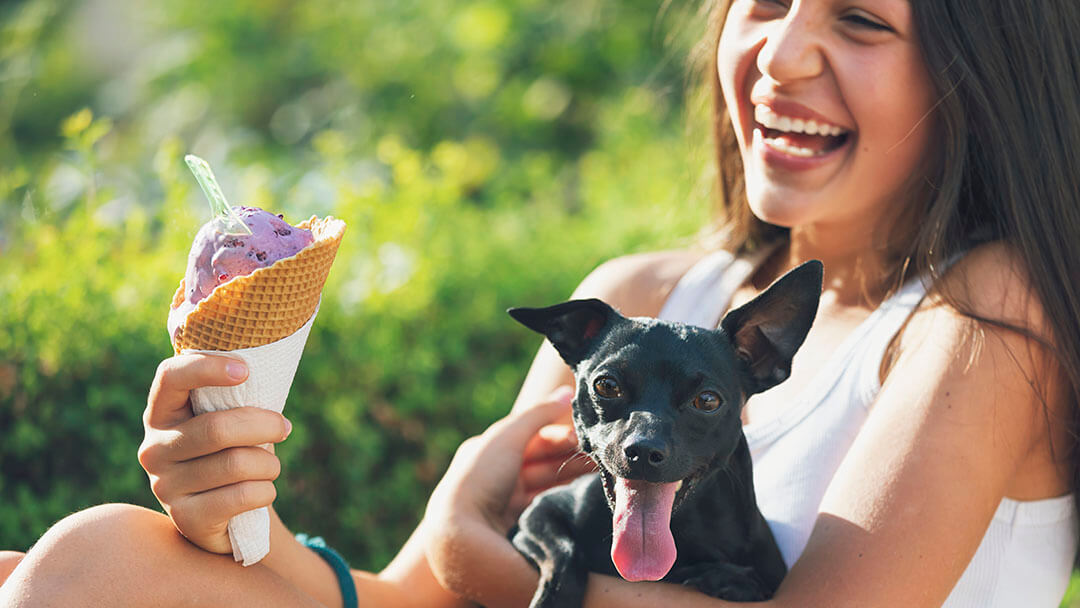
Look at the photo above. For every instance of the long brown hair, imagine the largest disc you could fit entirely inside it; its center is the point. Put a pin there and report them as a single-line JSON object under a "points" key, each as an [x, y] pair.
{"points": [[1007, 78]]}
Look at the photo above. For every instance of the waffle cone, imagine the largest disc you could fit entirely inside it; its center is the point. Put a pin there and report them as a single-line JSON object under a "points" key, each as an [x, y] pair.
{"points": [[266, 305]]}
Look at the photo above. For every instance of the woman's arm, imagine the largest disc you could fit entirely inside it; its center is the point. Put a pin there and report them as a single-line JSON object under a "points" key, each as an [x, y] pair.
{"points": [[205, 469], [955, 424]]}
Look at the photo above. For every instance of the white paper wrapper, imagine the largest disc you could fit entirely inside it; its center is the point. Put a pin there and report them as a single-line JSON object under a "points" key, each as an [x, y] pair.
{"points": [[271, 369]]}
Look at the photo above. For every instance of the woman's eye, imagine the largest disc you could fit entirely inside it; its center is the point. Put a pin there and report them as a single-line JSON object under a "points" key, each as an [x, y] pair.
{"points": [[860, 21], [771, 4], [607, 387], [708, 401]]}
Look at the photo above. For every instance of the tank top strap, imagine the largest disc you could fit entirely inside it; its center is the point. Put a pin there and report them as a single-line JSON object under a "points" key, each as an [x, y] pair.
{"points": [[880, 330]]}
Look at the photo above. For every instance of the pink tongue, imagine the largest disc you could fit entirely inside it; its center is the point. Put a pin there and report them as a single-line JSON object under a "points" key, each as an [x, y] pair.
{"points": [[643, 548]]}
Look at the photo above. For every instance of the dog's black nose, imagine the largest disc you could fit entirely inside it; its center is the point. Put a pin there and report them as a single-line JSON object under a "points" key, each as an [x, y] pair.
{"points": [[645, 452]]}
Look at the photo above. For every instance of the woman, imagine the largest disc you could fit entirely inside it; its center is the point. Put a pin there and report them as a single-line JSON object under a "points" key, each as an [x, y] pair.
{"points": [[929, 460], [922, 452]]}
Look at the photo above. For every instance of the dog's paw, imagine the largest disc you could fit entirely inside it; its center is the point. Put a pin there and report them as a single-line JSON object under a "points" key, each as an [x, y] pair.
{"points": [[724, 581]]}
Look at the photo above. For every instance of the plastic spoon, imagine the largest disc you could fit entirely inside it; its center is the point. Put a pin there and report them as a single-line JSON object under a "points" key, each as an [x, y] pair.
{"points": [[219, 207]]}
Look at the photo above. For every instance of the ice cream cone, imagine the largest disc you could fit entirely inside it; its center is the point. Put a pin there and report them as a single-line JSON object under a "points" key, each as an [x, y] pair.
{"points": [[266, 305], [264, 319]]}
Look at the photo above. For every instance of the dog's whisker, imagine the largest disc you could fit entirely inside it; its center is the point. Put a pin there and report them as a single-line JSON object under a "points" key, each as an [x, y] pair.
{"points": [[575, 456]]}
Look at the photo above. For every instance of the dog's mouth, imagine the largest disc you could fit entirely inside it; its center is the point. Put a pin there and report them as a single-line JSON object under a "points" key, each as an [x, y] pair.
{"points": [[642, 547]]}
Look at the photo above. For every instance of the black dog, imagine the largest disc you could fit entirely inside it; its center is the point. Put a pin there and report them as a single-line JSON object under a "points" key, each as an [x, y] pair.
{"points": [[657, 407]]}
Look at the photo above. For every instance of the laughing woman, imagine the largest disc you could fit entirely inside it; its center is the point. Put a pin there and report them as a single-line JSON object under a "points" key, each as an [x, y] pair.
{"points": [[923, 452]]}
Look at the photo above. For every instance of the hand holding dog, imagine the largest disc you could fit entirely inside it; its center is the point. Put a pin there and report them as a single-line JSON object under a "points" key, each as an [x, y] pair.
{"points": [[494, 475], [205, 469]]}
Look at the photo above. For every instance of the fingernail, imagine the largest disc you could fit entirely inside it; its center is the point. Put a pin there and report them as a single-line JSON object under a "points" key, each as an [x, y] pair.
{"points": [[236, 370], [288, 427]]}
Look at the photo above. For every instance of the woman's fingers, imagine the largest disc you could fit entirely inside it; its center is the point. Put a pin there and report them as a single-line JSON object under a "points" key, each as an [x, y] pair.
{"points": [[208, 434], [518, 429], [203, 518], [552, 441], [167, 404], [537, 476], [224, 468], [215, 431]]}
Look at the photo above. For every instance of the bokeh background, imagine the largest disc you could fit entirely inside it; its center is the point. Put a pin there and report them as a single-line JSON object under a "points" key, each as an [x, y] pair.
{"points": [[484, 153]]}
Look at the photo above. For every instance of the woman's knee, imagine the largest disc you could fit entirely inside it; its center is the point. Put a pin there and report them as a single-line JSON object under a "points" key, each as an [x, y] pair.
{"points": [[102, 543], [104, 530]]}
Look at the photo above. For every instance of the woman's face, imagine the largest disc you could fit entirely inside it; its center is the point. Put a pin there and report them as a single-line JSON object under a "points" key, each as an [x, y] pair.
{"points": [[830, 100]]}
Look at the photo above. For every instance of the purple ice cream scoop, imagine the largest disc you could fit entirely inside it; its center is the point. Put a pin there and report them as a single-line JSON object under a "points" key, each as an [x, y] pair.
{"points": [[217, 257]]}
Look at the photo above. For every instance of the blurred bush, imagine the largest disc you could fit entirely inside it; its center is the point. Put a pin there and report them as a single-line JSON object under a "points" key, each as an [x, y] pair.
{"points": [[485, 154]]}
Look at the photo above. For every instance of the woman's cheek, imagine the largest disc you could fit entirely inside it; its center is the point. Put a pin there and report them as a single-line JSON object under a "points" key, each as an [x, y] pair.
{"points": [[733, 63]]}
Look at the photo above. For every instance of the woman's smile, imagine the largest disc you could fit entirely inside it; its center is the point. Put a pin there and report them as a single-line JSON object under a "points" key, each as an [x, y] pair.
{"points": [[795, 139]]}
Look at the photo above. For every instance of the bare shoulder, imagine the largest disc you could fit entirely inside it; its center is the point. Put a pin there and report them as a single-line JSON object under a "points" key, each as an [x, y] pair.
{"points": [[988, 291], [638, 284], [993, 283]]}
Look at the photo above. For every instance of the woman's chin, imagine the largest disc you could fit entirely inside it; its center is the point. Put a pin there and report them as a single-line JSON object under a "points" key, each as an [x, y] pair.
{"points": [[786, 213]]}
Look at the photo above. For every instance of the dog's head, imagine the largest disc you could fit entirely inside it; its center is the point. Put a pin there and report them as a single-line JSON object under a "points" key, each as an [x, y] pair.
{"points": [[658, 404]]}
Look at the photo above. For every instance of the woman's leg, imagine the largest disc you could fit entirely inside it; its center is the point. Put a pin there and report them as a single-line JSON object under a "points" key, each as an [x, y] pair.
{"points": [[127, 555]]}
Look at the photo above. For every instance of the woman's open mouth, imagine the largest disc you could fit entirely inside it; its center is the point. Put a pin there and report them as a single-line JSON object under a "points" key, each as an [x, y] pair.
{"points": [[797, 137]]}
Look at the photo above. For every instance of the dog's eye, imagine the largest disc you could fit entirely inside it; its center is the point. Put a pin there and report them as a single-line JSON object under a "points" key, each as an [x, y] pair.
{"points": [[707, 401], [606, 386]]}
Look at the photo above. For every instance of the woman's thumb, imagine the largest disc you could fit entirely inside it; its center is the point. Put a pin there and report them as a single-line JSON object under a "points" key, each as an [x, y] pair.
{"points": [[518, 427]]}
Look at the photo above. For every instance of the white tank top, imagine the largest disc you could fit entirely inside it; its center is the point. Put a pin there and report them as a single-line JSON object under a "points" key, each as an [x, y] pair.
{"points": [[1026, 556]]}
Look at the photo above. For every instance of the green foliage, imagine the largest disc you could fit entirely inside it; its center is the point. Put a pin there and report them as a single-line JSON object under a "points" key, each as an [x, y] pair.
{"points": [[1072, 594], [484, 154]]}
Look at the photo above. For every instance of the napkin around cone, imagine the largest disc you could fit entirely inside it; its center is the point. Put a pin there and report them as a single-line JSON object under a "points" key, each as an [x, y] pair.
{"points": [[271, 369]]}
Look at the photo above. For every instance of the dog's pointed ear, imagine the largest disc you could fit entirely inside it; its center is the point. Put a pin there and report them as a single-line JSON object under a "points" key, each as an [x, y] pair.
{"points": [[767, 330], [572, 327]]}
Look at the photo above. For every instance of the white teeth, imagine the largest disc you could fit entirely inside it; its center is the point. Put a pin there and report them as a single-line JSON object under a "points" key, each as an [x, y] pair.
{"points": [[772, 120], [678, 486], [786, 148]]}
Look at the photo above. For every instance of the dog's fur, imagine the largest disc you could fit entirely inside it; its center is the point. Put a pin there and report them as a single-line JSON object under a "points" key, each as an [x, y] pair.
{"points": [[660, 402]]}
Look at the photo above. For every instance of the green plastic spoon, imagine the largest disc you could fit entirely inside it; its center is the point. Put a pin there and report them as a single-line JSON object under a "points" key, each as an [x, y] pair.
{"points": [[219, 207]]}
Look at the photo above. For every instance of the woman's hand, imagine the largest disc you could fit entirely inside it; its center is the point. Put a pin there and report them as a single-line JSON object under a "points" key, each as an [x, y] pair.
{"points": [[477, 500], [206, 469], [495, 475], [552, 457]]}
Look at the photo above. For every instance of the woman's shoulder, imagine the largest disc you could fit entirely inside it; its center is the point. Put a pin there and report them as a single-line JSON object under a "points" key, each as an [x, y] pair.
{"points": [[989, 290], [991, 284], [985, 315], [638, 284]]}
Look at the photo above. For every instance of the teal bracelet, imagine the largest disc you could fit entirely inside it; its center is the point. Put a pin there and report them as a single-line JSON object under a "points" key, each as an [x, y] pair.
{"points": [[341, 569]]}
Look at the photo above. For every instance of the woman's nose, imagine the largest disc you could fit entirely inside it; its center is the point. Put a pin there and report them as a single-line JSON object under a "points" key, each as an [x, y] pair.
{"points": [[792, 48]]}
